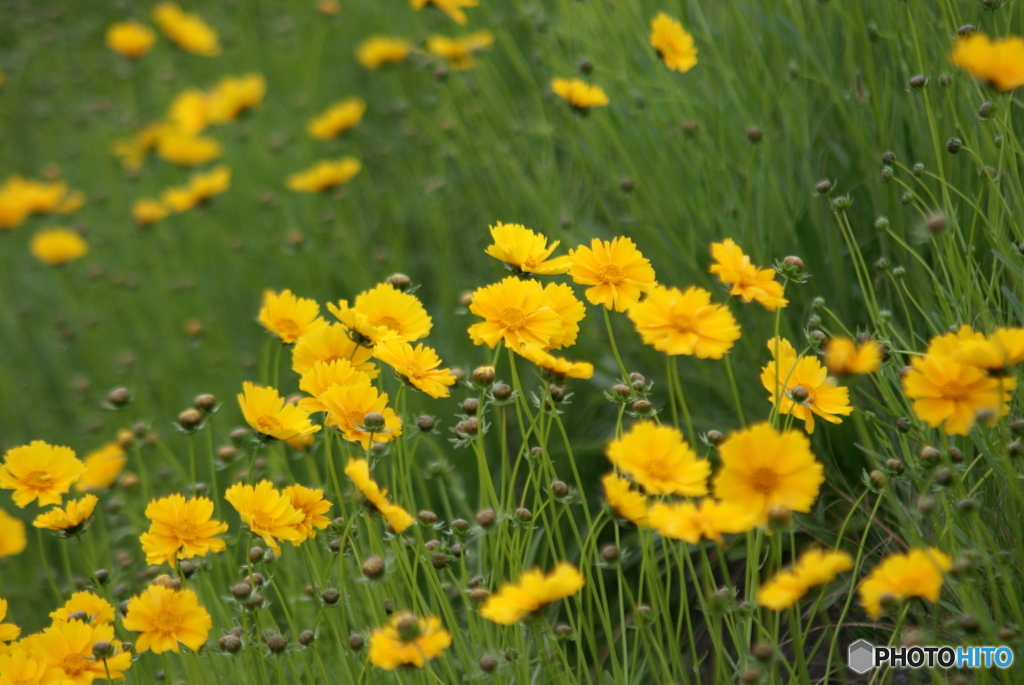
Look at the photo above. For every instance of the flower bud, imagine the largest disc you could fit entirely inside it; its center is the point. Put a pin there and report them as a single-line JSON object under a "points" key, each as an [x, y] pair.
{"points": [[306, 637], [715, 437], [928, 455], [824, 187], [954, 145], [373, 567], [102, 650], [256, 554], [1014, 448], [439, 560], [754, 134], [889, 158], [794, 262], [524, 514], [622, 391], [936, 223], [427, 517], [356, 642], [986, 111], [955, 455], [79, 616], [470, 406], [483, 376], [373, 422], [969, 623], [486, 518], [799, 394], [643, 407], [277, 644], [501, 392], [241, 591], [468, 427], [917, 82], [190, 419], [460, 525], [967, 505], [408, 627], [119, 397], [926, 504], [559, 489], [895, 465], [330, 596], [399, 282], [479, 595], [944, 476], [488, 663], [878, 479], [102, 576], [557, 393], [610, 553], [205, 402]]}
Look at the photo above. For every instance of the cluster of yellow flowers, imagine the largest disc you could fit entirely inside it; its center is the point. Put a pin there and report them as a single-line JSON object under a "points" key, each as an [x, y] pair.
{"points": [[133, 39], [21, 198]]}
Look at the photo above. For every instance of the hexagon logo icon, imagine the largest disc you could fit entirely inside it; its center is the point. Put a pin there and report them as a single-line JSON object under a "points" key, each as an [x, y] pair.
{"points": [[861, 656]]}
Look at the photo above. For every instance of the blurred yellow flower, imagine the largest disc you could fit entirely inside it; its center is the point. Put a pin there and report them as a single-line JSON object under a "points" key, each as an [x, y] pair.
{"points": [[417, 366], [408, 640], [627, 503], [677, 322], [918, 573], [290, 317], [268, 414], [383, 313], [995, 354], [674, 45], [707, 519], [201, 187], [313, 507], [348, 406], [189, 112], [814, 567], [616, 271], [8, 631], [329, 7], [57, 246], [556, 366], [148, 211], [453, 8], [802, 387], [747, 281], [19, 666], [377, 51], [516, 311], [459, 51], [233, 95], [562, 299], [524, 251], [325, 174], [336, 119], [188, 31], [185, 149], [130, 39], [1000, 62], [67, 645], [358, 471], [331, 344], [68, 519], [133, 151], [102, 467], [12, 535], [96, 609], [181, 529], [659, 460], [39, 471], [325, 375], [267, 512], [515, 601], [165, 617], [845, 357], [581, 95]]}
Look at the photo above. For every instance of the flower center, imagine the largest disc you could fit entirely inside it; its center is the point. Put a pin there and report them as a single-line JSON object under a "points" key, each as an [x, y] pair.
{"points": [[411, 369], [512, 319], [267, 424], [167, 622], [261, 520], [39, 479], [764, 480], [390, 323], [611, 274], [74, 664], [684, 323], [289, 328], [954, 391], [186, 531]]}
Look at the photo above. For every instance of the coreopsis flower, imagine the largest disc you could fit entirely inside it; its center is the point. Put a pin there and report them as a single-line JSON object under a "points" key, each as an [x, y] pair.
{"points": [[186, 30], [524, 251], [580, 95], [39, 197], [453, 8], [918, 573], [40, 472], [347, 407], [845, 357], [130, 39], [518, 312], [417, 366], [570, 311], [102, 467], [166, 618], [764, 468], [13, 211], [338, 118], [267, 512], [814, 567], [58, 246], [673, 43], [515, 601], [8, 631], [659, 459], [408, 640], [325, 174], [995, 354], [459, 51], [96, 609], [185, 149], [290, 317], [325, 375], [1000, 62], [148, 211], [708, 519], [748, 282], [330, 344], [358, 471], [268, 414], [677, 322], [383, 313], [12, 535], [233, 95], [67, 646], [181, 529], [377, 51], [616, 271], [201, 187], [313, 507], [802, 387], [556, 366], [69, 519], [627, 502], [188, 113], [19, 666]]}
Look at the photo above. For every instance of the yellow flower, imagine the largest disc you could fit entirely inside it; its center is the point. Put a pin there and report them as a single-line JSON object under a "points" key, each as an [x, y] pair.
{"points": [[181, 529], [329, 7], [148, 211], [67, 646], [165, 618], [188, 114], [290, 317], [35, 197], [459, 51], [188, 31], [580, 95], [68, 519], [325, 375], [133, 151], [201, 187], [185, 149], [383, 313], [97, 610], [338, 118], [102, 467], [358, 471], [453, 8], [918, 573], [376, 51], [331, 344], [845, 357], [627, 503], [747, 281], [814, 567], [1000, 62], [8, 631], [57, 246], [570, 310], [12, 535], [659, 460], [39, 471], [997, 353], [19, 666], [524, 251], [514, 601], [804, 384], [408, 640], [13, 211], [518, 312], [324, 175], [267, 512], [616, 270], [417, 366], [556, 366], [313, 507], [762, 467], [347, 407], [676, 322], [130, 39], [265, 410], [674, 45], [706, 520], [233, 95]]}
